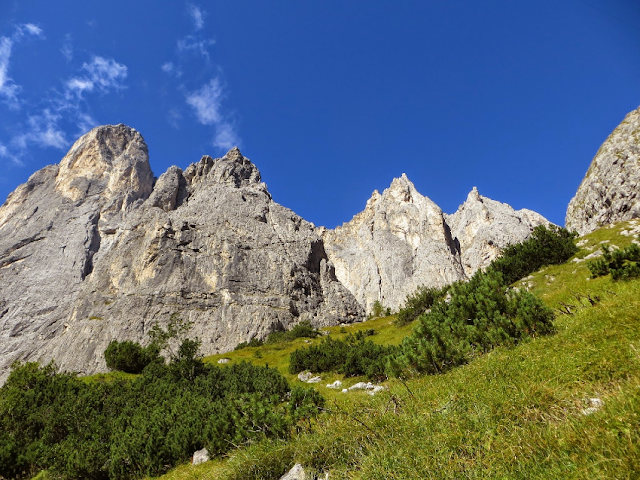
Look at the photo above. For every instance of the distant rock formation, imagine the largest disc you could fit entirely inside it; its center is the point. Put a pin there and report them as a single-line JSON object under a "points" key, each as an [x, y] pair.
{"points": [[403, 240], [91, 250], [483, 227], [610, 191], [399, 242]]}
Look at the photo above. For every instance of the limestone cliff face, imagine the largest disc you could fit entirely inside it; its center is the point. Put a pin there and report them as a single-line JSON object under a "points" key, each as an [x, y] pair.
{"points": [[50, 234], [610, 191], [399, 242], [483, 227], [403, 240], [91, 250]]}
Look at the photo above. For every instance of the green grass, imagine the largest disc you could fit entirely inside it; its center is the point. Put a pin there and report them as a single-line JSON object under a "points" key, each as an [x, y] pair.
{"points": [[515, 413]]}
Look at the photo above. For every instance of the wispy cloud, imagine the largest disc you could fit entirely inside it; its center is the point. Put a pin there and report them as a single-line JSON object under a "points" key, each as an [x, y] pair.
{"points": [[100, 74], [225, 137], [193, 44], [67, 48], [66, 108], [197, 15], [206, 103], [171, 69], [5, 153], [8, 88]]}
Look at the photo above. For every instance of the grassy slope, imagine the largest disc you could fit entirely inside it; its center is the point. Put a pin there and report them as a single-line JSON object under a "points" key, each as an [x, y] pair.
{"points": [[514, 413]]}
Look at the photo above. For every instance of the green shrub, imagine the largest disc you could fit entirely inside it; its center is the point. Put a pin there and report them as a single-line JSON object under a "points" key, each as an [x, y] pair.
{"points": [[130, 357], [301, 330], [144, 426], [621, 264], [352, 357], [546, 246], [480, 315], [418, 303], [254, 342]]}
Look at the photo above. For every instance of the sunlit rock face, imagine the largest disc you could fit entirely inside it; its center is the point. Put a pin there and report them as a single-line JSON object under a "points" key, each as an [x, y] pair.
{"points": [[92, 250], [483, 227], [610, 191], [402, 240]]}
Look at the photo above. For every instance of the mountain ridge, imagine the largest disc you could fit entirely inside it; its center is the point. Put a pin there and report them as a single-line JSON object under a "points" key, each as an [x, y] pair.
{"points": [[96, 248]]}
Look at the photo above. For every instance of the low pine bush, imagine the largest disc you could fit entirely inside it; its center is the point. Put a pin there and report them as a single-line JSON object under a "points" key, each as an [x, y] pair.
{"points": [[123, 429], [418, 303], [621, 264], [479, 315], [352, 357], [130, 357], [550, 245]]}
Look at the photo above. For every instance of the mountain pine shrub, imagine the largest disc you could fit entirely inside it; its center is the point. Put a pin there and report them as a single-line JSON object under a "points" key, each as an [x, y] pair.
{"points": [[130, 357], [418, 303], [479, 315], [550, 245], [622, 264], [352, 357]]}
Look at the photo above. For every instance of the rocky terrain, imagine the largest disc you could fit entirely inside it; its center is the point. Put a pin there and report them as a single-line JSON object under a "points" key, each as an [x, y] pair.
{"points": [[402, 240], [610, 191], [91, 250], [96, 248]]}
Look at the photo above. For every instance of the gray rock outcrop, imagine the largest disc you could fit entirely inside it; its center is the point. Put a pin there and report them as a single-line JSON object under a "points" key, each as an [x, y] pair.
{"points": [[610, 191], [397, 243], [483, 227], [403, 240], [91, 250]]}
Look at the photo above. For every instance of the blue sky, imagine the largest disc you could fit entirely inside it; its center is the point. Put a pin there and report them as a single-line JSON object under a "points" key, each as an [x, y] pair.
{"points": [[330, 99]]}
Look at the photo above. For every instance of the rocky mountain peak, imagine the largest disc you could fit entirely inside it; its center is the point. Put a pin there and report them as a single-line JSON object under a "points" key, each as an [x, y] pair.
{"points": [[232, 169], [474, 195], [482, 227], [609, 192], [402, 189], [110, 160]]}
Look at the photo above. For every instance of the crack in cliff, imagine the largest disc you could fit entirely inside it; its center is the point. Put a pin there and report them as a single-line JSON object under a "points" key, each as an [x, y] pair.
{"points": [[92, 245]]}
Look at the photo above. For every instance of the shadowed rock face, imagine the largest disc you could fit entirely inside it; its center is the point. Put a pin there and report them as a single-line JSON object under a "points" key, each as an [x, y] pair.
{"points": [[610, 191], [91, 250]]}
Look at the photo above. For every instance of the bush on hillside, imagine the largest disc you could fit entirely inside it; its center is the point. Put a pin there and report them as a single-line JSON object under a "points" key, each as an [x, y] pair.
{"points": [[550, 245], [130, 357], [123, 429], [301, 330], [418, 303], [480, 315], [352, 357], [621, 264]]}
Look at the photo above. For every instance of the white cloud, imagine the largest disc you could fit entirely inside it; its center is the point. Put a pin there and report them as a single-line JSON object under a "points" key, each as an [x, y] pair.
{"points": [[67, 48], [43, 130], [167, 67], [197, 15], [8, 88], [206, 102], [101, 73], [5, 153], [197, 45], [225, 137], [30, 28], [66, 108], [174, 117]]}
